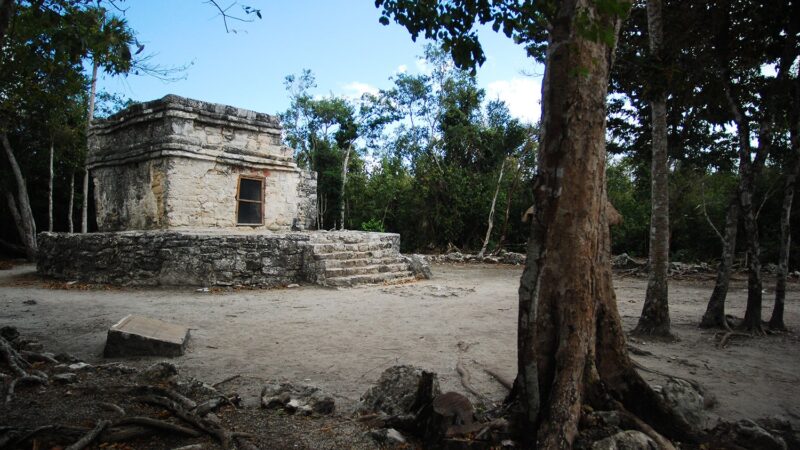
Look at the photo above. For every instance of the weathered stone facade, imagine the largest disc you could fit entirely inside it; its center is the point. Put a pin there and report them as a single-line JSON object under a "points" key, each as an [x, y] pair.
{"points": [[175, 163]]}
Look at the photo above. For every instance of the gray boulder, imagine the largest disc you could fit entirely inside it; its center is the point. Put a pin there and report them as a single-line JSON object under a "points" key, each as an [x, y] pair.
{"points": [[686, 401], [419, 266], [305, 399], [626, 440], [748, 434], [400, 390]]}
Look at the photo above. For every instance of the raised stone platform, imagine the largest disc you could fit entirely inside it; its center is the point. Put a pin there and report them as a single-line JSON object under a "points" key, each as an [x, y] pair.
{"points": [[223, 258]]}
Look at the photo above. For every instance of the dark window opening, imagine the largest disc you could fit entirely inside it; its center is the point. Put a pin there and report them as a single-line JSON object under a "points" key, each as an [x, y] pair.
{"points": [[250, 201]]}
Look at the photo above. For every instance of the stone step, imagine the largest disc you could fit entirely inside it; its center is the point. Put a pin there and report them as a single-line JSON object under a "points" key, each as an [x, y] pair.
{"points": [[379, 278], [331, 247], [356, 255], [365, 270], [357, 262]]}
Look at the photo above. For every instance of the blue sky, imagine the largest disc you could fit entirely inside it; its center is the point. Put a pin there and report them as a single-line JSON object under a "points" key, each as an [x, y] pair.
{"points": [[341, 41]]}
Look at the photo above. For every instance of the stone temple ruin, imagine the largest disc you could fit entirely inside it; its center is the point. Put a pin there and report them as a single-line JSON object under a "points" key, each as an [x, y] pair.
{"points": [[194, 193]]}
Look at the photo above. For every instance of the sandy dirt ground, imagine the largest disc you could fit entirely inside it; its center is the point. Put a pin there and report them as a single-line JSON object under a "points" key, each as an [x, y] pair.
{"points": [[341, 339]]}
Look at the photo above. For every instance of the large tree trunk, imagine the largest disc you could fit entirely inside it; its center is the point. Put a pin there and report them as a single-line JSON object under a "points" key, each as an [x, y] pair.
{"points": [[344, 184], [714, 316], [571, 343], [490, 224], [655, 313], [89, 117], [50, 191], [21, 208]]}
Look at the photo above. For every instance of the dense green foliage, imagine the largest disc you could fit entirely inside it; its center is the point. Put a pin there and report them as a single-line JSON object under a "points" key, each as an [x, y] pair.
{"points": [[426, 155]]}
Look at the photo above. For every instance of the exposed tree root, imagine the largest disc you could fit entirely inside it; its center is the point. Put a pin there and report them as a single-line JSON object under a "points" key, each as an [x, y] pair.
{"points": [[89, 437], [693, 383], [727, 336], [23, 379], [465, 377], [112, 407], [639, 424], [157, 424], [505, 382]]}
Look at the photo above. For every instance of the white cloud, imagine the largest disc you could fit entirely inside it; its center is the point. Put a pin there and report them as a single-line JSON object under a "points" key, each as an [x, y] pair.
{"points": [[402, 68], [423, 66], [522, 95], [356, 89]]}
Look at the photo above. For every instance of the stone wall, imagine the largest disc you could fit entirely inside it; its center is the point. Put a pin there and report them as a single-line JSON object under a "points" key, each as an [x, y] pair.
{"points": [[171, 258], [176, 162]]}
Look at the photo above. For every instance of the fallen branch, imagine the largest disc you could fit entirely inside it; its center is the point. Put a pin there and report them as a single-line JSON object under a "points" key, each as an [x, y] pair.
{"points": [[221, 434], [13, 359], [231, 378], [158, 424], [34, 356], [90, 436]]}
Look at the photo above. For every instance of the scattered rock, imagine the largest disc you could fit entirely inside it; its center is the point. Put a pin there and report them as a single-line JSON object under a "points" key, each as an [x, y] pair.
{"points": [[67, 358], [9, 333], [117, 368], [65, 378], [30, 302], [626, 440], [685, 400], [159, 372], [144, 336], [297, 398], [512, 258], [747, 434], [454, 257], [387, 436], [419, 266], [624, 261], [400, 391], [79, 366]]}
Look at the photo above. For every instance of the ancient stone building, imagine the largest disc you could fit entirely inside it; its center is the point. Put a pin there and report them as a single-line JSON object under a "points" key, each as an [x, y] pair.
{"points": [[177, 163], [194, 193]]}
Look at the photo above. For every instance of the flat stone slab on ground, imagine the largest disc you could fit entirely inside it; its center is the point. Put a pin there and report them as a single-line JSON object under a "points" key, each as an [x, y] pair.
{"points": [[144, 336]]}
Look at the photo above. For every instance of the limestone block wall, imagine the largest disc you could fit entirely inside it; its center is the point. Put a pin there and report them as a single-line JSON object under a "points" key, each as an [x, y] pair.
{"points": [[131, 196], [172, 258]]}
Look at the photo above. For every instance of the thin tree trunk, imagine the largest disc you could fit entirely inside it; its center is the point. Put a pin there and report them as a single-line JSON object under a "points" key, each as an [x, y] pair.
{"points": [[89, 117], [571, 343], [510, 196], [491, 212], [344, 183], [714, 316], [776, 321], [70, 208], [50, 191], [655, 313], [21, 208]]}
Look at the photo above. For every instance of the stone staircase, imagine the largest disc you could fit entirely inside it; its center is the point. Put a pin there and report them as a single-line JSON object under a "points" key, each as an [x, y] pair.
{"points": [[346, 259]]}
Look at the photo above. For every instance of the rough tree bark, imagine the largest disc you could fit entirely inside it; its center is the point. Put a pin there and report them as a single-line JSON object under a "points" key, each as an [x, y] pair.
{"points": [[21, 207], [344, 183], [50, 191], [654, 319], [571, 343], [776, 321], [89, 117], [490, 224]]}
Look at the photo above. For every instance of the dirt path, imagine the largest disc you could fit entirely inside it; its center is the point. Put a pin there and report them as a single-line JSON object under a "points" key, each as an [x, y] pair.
{"points": [[341, 340]]}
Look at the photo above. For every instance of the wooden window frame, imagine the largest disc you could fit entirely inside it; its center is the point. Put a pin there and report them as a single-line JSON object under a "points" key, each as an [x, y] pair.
{"points": [[261, 180]]}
